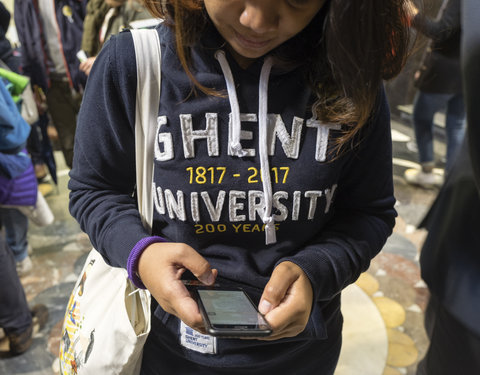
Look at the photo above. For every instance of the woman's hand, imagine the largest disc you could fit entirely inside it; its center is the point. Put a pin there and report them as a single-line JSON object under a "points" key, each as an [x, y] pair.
{"points": [[161, 266], [287, 301]]}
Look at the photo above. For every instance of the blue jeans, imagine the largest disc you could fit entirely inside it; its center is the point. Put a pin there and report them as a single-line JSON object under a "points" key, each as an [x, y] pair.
{"points": [[16, 227], [425, 107]]}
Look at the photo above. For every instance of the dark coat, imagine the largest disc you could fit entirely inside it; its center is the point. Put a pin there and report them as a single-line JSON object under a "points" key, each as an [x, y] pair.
{"points": [[5, 48], [7, 55], [70, 15], [440, 67], [450, 258]]}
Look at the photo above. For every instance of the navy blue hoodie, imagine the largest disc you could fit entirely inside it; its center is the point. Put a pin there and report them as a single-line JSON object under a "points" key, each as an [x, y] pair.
{"points": [[330, 217]]}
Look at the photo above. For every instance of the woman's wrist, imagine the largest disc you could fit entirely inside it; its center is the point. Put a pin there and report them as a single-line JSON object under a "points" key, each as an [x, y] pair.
{"points": [[134, 258]]}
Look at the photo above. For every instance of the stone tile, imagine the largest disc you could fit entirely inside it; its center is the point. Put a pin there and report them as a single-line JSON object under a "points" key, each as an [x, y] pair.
{"points": [[402, 351], [399, 245], [392, 312], [368, 283], [365, 344]]}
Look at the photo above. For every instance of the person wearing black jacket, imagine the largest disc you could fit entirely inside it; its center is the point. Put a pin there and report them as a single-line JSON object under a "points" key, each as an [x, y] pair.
{"points": [[16, 318], [450, 257], [14, 221], [6, 52], [16, 186], [50, 33], [440, 88]]}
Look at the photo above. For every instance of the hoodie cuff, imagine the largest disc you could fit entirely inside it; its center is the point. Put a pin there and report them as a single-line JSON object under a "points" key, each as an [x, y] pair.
{"points": [[134, 257]]}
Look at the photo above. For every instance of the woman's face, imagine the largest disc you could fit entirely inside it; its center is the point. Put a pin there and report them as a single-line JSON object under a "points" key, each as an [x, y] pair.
{"points": [[253, 28]]}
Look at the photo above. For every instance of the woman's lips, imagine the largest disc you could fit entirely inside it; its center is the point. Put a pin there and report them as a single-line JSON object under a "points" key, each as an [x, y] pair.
{"points": [[253, 43]]}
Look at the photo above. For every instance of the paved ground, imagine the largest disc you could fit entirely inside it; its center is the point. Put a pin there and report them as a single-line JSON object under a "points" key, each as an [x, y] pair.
{"points": [[391, 288]]}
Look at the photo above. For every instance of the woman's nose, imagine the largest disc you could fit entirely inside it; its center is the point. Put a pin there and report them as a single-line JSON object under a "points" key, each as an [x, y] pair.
{"points": [[260, 16]]}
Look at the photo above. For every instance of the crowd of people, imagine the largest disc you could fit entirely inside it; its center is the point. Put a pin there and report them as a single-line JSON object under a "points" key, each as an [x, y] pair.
{"points": [[317, 65], [51, 34]]}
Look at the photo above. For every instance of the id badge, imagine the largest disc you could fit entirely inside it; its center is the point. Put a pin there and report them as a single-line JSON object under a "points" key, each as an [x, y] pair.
{"points": [[196, 341]]}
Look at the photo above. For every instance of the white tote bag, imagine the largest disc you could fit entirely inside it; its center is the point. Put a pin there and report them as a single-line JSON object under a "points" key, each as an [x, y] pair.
{"points": [[107, 320]]}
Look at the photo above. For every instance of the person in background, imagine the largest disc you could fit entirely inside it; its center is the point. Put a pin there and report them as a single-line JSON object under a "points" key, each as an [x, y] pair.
{"points": [[11, 58], [18, 187], [20, 199], [273, 171], [96, 12], [14, 221], [18, 321], [16, 229], [119, 16], [439, 88], [450, 256], [50, 33], [7, 54]]}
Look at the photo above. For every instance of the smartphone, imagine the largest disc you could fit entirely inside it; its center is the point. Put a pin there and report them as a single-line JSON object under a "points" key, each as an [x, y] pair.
{"points": [[229, 312]]}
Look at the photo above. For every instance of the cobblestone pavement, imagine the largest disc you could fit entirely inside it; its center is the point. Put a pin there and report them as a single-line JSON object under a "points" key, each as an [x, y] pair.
{"points": [[391, 288]]}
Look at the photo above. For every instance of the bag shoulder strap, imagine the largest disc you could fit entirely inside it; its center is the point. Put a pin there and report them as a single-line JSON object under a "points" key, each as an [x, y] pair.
{"points": [[148, 57]]}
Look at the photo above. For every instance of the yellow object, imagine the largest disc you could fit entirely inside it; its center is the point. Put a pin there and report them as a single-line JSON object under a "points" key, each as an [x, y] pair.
{"points": [[367, 283], [67, 11], [45, 189], [401, 355], [391, 371], [402, 351], [392, 312]]}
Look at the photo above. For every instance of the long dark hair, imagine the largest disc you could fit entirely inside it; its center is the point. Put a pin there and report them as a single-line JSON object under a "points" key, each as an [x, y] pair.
{"points": [[348, 49]]}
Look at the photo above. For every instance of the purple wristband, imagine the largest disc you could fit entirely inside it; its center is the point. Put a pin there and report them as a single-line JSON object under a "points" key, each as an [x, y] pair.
{"points": [[134, 257]]}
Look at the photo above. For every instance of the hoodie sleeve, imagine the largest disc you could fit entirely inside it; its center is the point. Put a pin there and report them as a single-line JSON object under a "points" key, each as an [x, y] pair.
{"points": [[364, 216], [102, 180]]}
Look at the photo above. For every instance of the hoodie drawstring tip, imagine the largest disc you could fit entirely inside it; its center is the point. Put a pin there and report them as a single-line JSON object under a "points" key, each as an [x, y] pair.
{"points": [[270, 233]]}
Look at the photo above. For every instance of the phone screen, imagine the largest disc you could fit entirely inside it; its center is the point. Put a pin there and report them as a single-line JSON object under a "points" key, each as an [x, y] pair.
{"points": [[231, 310], [228, 307]]}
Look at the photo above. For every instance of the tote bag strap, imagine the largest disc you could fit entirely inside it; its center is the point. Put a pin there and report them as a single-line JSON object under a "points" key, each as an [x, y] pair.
{"points": [[148, 57]]}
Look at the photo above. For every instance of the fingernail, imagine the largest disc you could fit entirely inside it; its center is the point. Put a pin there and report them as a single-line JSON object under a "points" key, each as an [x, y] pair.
{"points": [[210, 279], [264, 307]]}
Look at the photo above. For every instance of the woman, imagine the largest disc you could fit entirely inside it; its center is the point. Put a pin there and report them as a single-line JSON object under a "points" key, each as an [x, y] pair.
{"points": [[272, 171]]}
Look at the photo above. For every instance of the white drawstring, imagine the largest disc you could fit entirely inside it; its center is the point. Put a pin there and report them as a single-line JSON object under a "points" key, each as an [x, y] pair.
{"points": [[270, 235], [236, 148]]}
